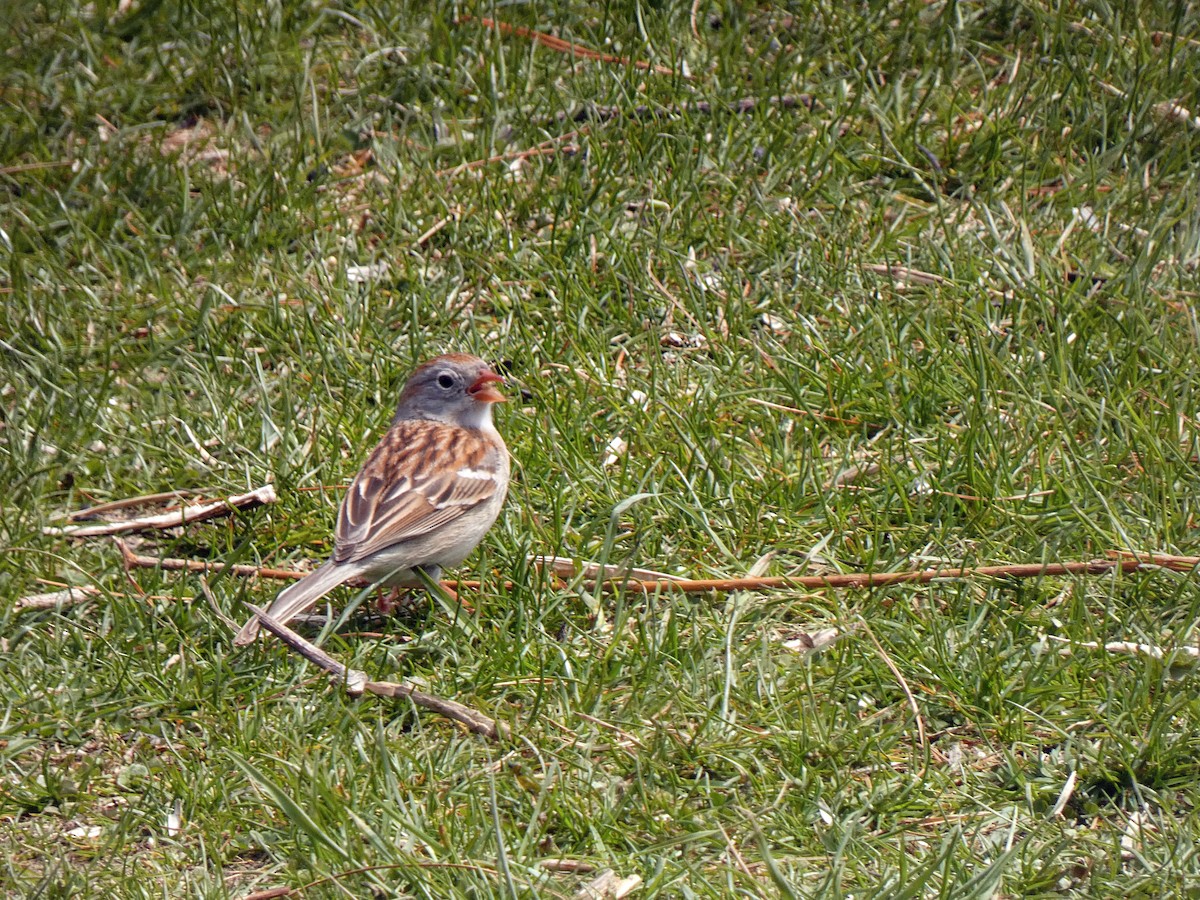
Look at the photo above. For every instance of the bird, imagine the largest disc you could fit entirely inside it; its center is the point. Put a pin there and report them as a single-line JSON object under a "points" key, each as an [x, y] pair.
{"points": [[427, 494]]}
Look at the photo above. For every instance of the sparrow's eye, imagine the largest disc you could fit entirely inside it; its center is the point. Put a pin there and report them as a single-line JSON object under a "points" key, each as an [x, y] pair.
{"points": [[445, 381]]}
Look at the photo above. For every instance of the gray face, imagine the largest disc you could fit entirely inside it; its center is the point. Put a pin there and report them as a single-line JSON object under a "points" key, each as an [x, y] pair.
{"points": [[438, 391]]}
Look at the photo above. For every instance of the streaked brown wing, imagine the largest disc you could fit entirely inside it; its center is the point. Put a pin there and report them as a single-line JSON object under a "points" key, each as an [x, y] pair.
{"points": [[406, 489]]}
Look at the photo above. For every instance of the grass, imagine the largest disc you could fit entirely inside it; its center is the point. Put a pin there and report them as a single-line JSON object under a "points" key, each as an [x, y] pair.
{"points": [[184, 192]]}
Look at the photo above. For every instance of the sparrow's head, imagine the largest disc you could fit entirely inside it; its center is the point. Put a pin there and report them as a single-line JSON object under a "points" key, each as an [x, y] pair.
{"points": [[456, 389]]}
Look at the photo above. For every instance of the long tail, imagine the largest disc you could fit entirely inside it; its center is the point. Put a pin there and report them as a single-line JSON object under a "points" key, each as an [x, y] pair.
{"points": [[298, 597]]}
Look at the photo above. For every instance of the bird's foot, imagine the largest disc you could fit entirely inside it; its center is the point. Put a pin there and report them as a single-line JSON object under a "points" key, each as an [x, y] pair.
{"points": [[389, 603]]}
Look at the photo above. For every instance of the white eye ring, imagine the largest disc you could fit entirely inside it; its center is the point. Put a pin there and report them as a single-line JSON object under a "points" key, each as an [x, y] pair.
{"points": [[445, 381]]}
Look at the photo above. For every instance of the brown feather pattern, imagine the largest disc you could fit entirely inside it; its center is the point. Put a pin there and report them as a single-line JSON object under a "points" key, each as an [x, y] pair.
{"points": [[403, 492]]}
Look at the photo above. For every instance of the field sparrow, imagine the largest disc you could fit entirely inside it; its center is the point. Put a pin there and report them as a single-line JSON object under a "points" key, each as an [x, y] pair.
{"points": [[427, 494]]}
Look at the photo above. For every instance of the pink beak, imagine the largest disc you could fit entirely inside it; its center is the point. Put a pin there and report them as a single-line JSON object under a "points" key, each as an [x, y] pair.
{"points": [[483, 391]]}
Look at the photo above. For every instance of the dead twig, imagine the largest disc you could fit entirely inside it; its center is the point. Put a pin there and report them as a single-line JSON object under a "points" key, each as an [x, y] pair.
{"points": [[356, 682], [270, 894], [560, 46], [567, 866], [434, 229], [66, 597], [173, 564], [100, 509], [695, 14], [1161, 560], [1121, 561], [56, 599], [183, 515], [133, 560], [1127, 648], [921, 576]]}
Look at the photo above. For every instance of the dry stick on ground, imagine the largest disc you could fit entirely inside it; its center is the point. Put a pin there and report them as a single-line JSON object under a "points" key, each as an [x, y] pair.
{"points": [[356, 682], [433, 229], [182, 515], [125, 503], [168, 563], [1162, 560], [922, 576], [1129, 648], [133, 560], [1123, 561], [75, 596], [67, 597], [561, 46]]}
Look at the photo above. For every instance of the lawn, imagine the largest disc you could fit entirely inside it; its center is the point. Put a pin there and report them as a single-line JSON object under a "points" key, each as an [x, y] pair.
{"points": [[781, 290]]}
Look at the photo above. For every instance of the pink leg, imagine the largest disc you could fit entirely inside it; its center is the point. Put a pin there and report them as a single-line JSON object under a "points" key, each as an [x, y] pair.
{"points": [[387, 605]]}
